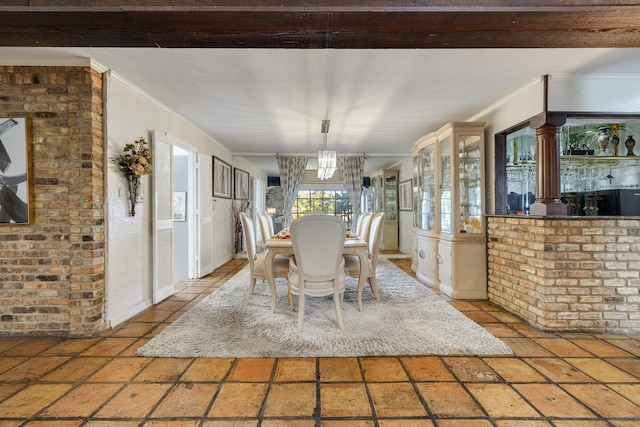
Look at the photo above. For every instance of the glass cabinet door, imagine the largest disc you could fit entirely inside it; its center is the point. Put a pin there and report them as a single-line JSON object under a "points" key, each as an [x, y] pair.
{"points": [[446, 206], [470, 197], [426, 202], [391, 196]]}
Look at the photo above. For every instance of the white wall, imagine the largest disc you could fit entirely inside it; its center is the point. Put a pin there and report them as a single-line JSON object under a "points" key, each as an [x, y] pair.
{"points": [[405, 218], [131, 114]]}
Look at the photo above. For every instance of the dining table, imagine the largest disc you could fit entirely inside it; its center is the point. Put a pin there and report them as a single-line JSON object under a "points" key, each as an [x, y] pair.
{"points": [[276, 245]]}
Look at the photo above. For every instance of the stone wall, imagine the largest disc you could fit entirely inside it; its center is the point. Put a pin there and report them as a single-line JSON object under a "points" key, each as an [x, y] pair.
{"points": [[567, 274], [52, 270]]}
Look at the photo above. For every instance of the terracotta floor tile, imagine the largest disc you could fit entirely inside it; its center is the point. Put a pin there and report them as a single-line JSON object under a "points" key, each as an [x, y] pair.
{"points": [[627, 344], [552, 401], [585, 423], [239, 400], [561, 347], [234, 423], [449, 400], [347, 423], [471, 369], [186, 400], [31, 400], [7, 363], [295, 370], [70, 347], [342, 400], [522, 423], [133, 329], [339, 369], [252, 370], [32, 347], [82, 401], [163, 370], [291, 400], [630, 365], [396, 400], [33, 368], [112, 423], [501, 401], [603, 400], [76, 369], [514, 370], [383, 369], [601, 370], [621, 423], [500, 330], [288, 423], [464, 423], [7, 390], [480, 317], [406, 423], [600, 348], [525, 347], [427, 368], [123, 369], [558, 371], [207, 369], [108, 347], [630, 391], [133, 401]]}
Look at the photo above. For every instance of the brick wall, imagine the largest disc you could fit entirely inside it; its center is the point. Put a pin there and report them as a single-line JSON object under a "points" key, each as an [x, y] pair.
{"points": [[52, 270], [567, 274]]}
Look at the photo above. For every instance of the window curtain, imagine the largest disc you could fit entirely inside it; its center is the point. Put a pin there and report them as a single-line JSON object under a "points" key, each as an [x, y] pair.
{"points": [[291, 173], [351, 170]]}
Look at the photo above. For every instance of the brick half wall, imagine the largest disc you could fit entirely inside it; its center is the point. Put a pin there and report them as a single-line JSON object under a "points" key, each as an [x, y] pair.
{"points": [[567, 274]]}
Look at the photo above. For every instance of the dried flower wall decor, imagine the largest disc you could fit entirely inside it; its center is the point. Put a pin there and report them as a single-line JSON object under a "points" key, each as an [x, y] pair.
{"points": [[134, 162]]}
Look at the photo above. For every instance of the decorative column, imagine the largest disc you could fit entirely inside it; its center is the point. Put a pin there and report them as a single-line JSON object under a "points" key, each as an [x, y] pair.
{"points": [[548, 192]]}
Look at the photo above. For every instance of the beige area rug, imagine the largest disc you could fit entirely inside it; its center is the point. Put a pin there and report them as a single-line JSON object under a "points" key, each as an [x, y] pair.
{"points": [[410, 320]]}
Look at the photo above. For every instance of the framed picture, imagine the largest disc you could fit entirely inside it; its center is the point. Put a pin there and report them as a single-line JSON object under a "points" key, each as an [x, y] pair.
{"points": [[179, 205], [405, 196], [221, 178], [16, 171], [240, 184]]}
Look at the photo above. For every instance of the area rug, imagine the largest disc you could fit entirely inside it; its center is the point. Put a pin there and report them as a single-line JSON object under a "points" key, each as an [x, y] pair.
{"points": [[410, 320]]}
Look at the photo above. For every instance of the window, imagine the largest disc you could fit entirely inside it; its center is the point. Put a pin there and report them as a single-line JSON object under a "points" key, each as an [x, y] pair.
{"points": [[323, 201]]}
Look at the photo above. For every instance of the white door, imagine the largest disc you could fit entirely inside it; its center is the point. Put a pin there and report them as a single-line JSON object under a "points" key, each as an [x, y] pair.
{"points": [[163, 219]]}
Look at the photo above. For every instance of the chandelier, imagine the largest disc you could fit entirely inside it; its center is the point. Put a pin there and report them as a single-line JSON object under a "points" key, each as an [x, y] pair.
{"points": [[327, 160]]}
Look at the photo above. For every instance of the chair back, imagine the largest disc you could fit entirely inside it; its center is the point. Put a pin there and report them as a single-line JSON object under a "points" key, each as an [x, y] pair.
{"points": [[358, 227], [375, 236], [249, 237], [264, 226], [318, 241], [365, 227]]}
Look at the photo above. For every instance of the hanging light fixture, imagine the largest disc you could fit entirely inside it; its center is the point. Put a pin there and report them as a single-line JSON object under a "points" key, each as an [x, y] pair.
{"points": [[327, 160]]}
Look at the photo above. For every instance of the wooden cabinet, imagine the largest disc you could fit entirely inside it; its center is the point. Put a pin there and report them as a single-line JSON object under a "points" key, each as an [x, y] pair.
{"points": [[384, 185], [448, 168]]}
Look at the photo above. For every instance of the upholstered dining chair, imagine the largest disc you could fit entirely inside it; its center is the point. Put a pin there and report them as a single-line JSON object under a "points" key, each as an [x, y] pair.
{"points": [[352, 262], [365, 226], [266, 225], [358, 228], [256, 261], [317, 268]]}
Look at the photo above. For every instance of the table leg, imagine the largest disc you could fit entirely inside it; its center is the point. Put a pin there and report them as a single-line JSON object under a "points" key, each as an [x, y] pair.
{"points": [[268, 272], [363, 256]]}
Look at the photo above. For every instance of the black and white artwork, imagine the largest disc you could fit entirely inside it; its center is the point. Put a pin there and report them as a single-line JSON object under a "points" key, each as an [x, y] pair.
{"points": [[14, 171]]}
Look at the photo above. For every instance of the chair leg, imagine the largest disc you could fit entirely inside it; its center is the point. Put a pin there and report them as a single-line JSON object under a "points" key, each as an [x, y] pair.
{"points": [[252, 285], [336, 303], [300, 310], [374, 287]]}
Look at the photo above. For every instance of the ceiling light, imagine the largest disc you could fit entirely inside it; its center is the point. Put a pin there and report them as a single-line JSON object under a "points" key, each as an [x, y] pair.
{"points": [[327, 160]]}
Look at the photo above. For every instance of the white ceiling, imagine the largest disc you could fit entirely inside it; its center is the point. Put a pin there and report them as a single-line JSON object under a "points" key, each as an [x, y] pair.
{"points": [[258, 102]]}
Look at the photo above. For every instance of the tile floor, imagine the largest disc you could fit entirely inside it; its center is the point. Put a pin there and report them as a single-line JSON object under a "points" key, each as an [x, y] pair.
{"points": [[561, 380]]}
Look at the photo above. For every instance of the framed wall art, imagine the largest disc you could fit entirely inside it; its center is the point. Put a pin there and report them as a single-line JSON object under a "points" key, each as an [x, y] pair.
{"points": [[240, 184], [16, 171], [405, 196], [221, 178]]}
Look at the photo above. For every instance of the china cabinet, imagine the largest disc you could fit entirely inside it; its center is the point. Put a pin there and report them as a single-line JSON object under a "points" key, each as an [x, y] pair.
{"points": [[384, 185], [448, 167]]}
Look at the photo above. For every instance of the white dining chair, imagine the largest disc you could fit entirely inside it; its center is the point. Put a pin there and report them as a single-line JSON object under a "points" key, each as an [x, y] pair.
{"points": [[266, 226], [317, 268], [365, 226], [352, 262], [257, 261]]}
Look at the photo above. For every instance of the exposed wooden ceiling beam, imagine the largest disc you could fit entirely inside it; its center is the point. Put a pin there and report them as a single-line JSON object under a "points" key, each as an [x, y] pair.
{"points": [[321, 24]]}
